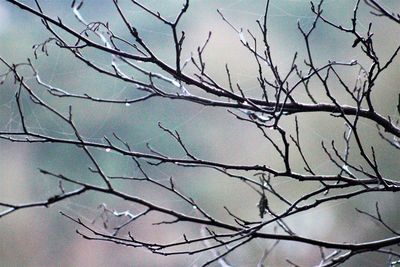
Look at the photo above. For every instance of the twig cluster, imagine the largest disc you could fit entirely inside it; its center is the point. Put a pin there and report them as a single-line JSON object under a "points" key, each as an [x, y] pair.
{"points": [[276, 101]]}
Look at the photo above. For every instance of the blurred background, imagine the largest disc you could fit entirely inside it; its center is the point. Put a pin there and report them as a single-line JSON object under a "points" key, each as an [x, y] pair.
{"points": [[42, 237]]}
